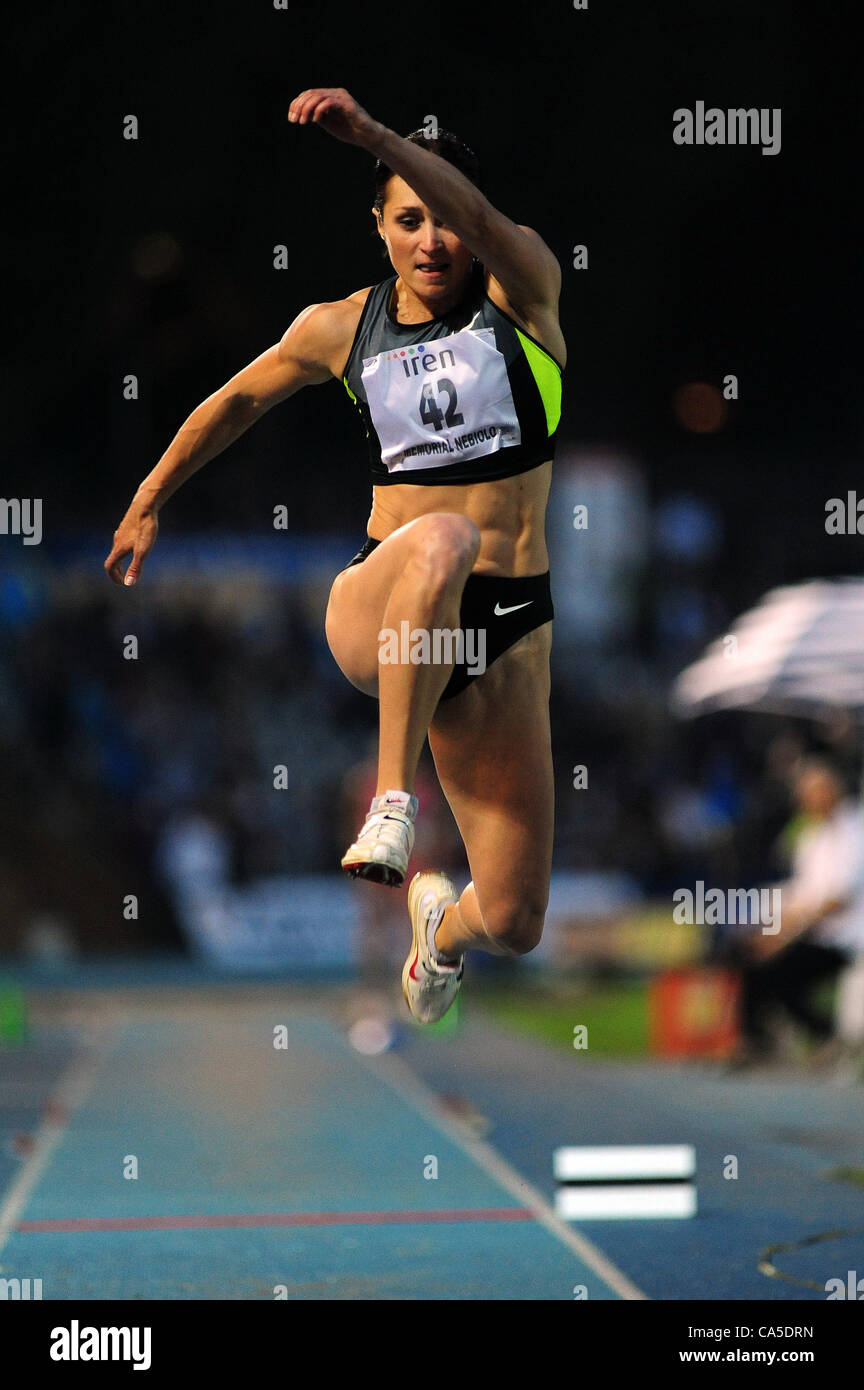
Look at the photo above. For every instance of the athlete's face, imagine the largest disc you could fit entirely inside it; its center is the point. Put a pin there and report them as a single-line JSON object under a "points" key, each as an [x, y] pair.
{"points": [[427, 256]]}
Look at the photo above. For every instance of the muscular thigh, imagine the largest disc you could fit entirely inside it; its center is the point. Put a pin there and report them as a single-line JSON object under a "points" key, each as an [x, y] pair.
{"points": [[492, 752], [355, 610]]}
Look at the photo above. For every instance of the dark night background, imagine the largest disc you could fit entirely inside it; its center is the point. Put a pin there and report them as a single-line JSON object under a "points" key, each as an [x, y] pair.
{"points": [[155, 257]]}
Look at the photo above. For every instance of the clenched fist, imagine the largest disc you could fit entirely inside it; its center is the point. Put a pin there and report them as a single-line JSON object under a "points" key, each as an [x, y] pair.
{"points": [[338, 113]]}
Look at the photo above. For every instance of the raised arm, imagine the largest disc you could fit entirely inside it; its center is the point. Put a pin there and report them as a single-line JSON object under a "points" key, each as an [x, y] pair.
{"points": [[518, 258], [310, 352]]}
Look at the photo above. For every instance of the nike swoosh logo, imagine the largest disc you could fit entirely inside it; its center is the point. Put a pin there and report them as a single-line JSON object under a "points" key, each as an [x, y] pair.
{"points": [[499, 611], [414, 965]]}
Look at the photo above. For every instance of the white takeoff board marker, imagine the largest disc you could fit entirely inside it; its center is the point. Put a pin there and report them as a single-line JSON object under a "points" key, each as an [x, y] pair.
{"points": [[617, 1182]]}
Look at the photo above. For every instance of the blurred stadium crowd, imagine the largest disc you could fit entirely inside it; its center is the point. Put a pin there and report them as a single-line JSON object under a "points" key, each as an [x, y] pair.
{"points": [[106, 752]]}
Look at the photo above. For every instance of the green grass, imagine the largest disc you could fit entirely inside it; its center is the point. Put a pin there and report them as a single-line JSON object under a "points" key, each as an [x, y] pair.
{"points": [[849, 1174], [615, 1015], [13, 1014]]}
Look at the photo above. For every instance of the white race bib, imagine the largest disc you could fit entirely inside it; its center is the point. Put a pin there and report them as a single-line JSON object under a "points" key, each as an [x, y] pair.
{"points": [[436, 403]]}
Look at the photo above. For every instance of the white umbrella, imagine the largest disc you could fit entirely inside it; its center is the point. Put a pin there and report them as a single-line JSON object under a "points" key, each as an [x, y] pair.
{"points": [[800, 651]]}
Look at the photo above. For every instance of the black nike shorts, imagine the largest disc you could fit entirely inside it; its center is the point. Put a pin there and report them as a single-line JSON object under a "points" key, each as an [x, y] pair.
{"points": [[501, 610]]}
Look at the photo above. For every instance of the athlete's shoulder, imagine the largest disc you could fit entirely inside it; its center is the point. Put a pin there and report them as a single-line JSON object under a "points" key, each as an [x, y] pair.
{"points": [[359, 297], [537, 241], [540, 319], [546, 260], [322, 334]]}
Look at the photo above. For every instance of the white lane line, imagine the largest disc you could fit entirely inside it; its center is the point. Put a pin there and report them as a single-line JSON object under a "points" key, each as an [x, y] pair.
{"points": [[401, 1079], [71, 1093]]}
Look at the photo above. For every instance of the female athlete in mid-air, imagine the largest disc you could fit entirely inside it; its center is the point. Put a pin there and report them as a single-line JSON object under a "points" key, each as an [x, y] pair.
{"points": [[454, 364]]}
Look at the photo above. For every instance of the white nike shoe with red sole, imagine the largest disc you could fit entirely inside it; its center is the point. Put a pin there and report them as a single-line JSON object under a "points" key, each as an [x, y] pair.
{"points": [[429, 987]]}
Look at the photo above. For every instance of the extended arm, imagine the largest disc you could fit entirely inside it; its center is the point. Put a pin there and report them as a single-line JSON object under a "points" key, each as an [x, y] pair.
{"points": [[518, 258], [302, 358]]}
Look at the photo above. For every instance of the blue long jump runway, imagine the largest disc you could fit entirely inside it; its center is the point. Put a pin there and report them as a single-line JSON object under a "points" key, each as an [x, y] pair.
{"points": [[261, 1171]]}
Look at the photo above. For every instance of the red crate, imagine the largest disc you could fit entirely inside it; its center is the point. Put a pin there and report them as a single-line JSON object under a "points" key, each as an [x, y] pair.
{"points": [[694, 1013]]}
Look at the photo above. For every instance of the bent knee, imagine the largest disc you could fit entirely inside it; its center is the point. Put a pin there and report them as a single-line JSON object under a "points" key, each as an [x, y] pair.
{"points": [[444, 546], [516, 927]]}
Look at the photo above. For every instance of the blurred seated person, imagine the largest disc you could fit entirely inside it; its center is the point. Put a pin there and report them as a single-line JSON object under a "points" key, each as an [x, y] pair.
{"points": [[821, 916]]}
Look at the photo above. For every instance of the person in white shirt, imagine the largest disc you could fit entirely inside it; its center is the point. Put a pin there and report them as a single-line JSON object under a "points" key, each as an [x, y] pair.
{"points": [[822, 914]]}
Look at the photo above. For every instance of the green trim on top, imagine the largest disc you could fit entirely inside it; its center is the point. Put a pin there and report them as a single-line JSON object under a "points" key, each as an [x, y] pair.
{"points": [[348, 389], [510, 319], [547, 375]]}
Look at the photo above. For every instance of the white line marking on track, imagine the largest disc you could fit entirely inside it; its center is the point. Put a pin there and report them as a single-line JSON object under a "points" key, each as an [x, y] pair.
{"points": [[401, 1079], [71, 1093]]}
